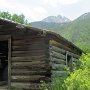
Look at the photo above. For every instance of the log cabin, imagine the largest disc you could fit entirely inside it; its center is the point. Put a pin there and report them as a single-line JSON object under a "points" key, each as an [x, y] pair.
{"points": [[29, 55]]}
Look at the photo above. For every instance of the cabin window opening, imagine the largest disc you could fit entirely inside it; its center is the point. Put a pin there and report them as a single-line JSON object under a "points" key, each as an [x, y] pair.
{"points": [[70, 62], [3, 62]]}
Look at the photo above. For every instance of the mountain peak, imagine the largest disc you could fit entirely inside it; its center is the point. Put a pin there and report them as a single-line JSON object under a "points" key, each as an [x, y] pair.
{"points": [[83, 16], [56, 19]]}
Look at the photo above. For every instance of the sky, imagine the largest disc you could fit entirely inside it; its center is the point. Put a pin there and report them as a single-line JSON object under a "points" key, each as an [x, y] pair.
{"points": [[36, 10]]}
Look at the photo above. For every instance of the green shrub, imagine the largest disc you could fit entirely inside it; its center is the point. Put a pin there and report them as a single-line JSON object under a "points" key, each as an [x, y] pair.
{"points": [[57, 82], [80, 78]]}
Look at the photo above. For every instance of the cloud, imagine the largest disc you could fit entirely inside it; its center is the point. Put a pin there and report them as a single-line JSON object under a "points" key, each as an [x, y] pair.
{"points": [[55, 3], [35, 10], [65, 2], [40, 10], [30, 11], [35, 13], [4, 3]]}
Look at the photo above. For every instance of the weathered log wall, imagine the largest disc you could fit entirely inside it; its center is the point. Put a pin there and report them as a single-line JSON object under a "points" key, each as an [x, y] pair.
{"points": [[59, 58], [29, 58]]}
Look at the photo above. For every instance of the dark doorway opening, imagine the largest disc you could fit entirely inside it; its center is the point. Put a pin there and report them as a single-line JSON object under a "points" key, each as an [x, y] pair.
{"points": [[4, 62], [69, 62]]}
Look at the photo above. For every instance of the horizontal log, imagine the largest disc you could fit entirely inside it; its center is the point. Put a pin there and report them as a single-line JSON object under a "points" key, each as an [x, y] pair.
{"points": [[58, 55], [23, 47], [28, 72], [29, 58], [32, 67], [10, 32], [28, 47], [35, 63], [30, 78], [63, 46], [22, 59], [57, 49], [31, 51], [30, 86], [28, 54], [28, 41], [5, 37], [27, 36], [3, 83], [7, 28], [57, 61]]}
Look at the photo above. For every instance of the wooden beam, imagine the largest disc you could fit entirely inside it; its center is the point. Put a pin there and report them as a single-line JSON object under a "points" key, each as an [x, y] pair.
{"points": [[57, 49], [58, 61], [57, 55]]}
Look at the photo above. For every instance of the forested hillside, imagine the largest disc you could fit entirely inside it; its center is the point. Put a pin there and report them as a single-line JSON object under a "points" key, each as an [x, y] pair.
{"points": [[77, 31]]}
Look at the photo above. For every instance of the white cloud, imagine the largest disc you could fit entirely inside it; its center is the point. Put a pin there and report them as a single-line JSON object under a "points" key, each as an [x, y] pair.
{"points": [[35, 13], [36, 10], [40, 10], [30, 11], [55, 3], [4, 3], [69, 1]]}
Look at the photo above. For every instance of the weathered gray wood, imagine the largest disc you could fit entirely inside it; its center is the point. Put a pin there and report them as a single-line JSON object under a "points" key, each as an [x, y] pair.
{"points": [[57, 55], [35, 63], [22, 59], [22, 47], [9, 63], [57, 44], [4, 37], [30, 78], [28, 47], [10, 32], [29, 58], [31, 51], [57, 49], [3, 83], [28, 36], [30, 86], [28, 54], [28, 72], [21, 85], [58, 61], [28, 41], [33, 67]]}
